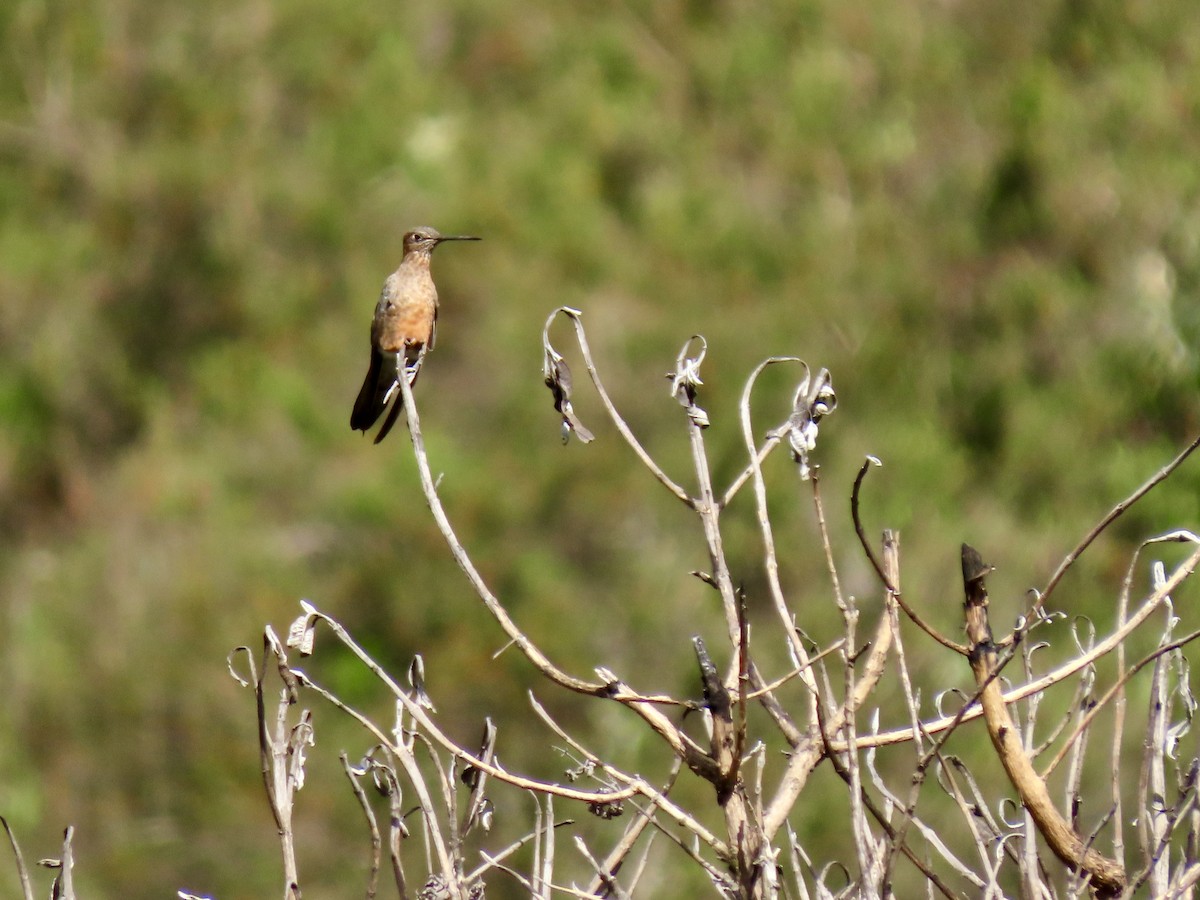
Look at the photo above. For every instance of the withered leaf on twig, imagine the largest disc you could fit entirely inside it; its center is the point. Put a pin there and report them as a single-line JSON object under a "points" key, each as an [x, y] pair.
{"points": [[607, 809], [686, 378], [814, 400], [557, 375], [302, 632], [479, 810], [416, 677], [716, 698]]}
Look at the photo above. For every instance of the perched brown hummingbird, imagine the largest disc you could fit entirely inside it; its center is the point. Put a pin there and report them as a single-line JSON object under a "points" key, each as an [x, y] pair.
{"points": [[404, 327]]}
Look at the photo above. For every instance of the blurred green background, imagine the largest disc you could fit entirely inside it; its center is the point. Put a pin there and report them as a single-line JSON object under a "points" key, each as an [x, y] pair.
{"points": [[983, 218]]}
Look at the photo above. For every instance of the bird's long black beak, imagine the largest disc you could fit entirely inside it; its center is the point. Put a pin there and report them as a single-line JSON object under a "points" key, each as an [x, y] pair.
{"points": [[457, 237]]}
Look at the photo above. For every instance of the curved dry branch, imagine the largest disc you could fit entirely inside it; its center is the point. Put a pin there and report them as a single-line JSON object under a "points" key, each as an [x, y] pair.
{"points": [[1095, 709], [795, 645], [22, 872], [891, 588], [656, 797], [532, 652], [1113, 514], [692, 756], [1050, 679], [419, 715], [439, 737], [575, 316]]}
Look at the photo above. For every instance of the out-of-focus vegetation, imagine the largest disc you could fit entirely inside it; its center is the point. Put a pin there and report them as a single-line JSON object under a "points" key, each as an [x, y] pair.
{"points": [[983, 218]]}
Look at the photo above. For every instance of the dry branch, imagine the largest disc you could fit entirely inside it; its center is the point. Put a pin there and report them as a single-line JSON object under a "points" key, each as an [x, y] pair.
{"points": [[1107, 875], [749, 861]]}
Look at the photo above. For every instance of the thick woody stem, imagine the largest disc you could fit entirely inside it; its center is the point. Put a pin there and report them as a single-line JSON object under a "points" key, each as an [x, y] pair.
{"points": [[745, 837], [1107, 876]]}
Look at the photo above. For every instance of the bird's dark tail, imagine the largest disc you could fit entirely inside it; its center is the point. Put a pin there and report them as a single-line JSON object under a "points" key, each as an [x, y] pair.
{"points": [[374, 394], [392, 415], [370, 401]]}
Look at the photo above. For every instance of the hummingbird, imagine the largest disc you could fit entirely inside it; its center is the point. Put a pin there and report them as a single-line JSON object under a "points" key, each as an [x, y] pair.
{"points": [[403, 330]]}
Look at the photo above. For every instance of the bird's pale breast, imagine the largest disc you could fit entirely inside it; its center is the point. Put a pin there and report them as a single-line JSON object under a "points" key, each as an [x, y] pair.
{"points": [[405, 314]]}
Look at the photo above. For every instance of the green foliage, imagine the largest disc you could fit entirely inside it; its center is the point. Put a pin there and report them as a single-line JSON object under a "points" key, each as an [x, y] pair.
{"points": [[985, 221]]}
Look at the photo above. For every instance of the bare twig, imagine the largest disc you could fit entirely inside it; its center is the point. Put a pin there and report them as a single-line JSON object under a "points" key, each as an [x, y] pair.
{"points": [[1113, 514], [352, 774], [931, 877], [796, 648], [1115, 690], [1182, 572], [616, 857], [22, 872], [493, 859], [609, 883], [695, 759], [515, 634], [879, 570], [494, 769], [281, 751], [656, 797], [576, 319], [63, 886], [784, 679], [930, 833]]}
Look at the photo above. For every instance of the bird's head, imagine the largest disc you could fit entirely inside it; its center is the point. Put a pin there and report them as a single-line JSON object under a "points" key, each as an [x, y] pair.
{"points": [[424, 239]]}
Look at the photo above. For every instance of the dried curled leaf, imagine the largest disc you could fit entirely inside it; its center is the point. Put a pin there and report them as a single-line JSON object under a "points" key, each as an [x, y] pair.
{"points": [[302, 632], [584, 770], [686, 378], [814, 400], [716, 697], [557, 375], [229, 664], [479, 808], [416, 677], [272, 646], [606, 809], [302, 737]]}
